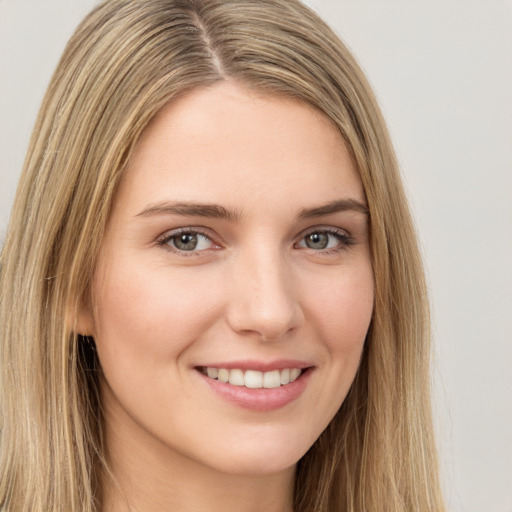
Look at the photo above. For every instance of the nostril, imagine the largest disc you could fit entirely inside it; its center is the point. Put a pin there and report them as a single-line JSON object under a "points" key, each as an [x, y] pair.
{"points": [[268, 324], [262, 300]]}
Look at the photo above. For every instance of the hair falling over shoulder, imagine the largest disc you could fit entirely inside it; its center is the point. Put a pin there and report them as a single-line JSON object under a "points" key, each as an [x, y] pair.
{"points": [[126, 60]]}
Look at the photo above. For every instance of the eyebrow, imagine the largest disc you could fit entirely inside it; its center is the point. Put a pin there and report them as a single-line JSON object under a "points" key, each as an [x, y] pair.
{"points": [[190, 209], [216, 211], [340, 205]]}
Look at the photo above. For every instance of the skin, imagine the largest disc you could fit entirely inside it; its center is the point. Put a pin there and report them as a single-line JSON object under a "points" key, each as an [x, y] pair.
{"points": [[252, 289]]}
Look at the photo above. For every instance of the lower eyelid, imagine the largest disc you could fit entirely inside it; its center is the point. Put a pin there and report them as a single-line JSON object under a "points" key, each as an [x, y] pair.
{"points": [[166, 238], [342, 236]]}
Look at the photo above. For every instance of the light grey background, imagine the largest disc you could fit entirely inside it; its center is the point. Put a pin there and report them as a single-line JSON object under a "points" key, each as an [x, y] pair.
{"points": [[442, 71]]}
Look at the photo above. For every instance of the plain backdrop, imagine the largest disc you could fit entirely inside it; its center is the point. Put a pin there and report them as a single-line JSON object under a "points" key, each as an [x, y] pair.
{"points": [[442, 71]]}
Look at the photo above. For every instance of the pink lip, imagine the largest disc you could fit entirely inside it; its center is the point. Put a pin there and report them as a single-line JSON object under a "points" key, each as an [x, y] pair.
{"points": [[259, 399], [262, 366]]}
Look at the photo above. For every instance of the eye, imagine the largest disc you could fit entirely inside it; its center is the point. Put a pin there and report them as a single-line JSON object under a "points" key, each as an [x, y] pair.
{"points": [[324, 240], [187, 241]]}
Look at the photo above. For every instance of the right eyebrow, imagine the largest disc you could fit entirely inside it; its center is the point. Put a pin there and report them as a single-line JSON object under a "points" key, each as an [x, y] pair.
{"points": [[339, 205], [214, 211]]}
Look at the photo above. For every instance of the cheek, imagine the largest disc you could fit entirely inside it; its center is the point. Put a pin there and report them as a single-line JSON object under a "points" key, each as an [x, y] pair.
{"points": [[343, 310], [339, 310], [151, 315]]}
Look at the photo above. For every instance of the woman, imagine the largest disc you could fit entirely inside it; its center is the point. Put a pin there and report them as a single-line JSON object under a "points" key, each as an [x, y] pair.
{"points": [[212, 296]]}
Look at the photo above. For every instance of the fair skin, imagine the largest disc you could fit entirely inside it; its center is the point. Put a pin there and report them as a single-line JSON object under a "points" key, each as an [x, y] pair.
{"points": [[237, 245]]}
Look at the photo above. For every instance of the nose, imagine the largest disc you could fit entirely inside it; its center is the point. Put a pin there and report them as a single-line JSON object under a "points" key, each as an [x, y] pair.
{"points": [[263, 302]]}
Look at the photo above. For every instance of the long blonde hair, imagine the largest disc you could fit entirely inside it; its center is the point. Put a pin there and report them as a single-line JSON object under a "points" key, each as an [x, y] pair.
{"points": [[126, 60]]}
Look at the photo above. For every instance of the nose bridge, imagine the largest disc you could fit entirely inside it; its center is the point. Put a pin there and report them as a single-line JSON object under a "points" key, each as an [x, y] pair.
{"points": [[264, 299]]}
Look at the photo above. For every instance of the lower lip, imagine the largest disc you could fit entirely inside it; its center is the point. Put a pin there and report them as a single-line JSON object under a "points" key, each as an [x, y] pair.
{"points": [[264, 399]]}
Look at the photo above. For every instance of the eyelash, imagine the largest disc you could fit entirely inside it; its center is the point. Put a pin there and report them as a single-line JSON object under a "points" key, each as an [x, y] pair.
{"points": [[167, 237], [343, 237]]}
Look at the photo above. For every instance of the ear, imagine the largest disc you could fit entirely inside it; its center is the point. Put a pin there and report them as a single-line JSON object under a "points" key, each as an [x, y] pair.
{"points": [[81, 318], [84, 324]]}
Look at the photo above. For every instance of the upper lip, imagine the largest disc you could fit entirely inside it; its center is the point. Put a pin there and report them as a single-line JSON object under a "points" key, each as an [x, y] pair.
{"points": [[262, 366]]}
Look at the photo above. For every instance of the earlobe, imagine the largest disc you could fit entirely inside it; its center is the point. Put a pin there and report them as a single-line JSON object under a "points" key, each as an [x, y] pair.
{"points": [[84, 324], [81, 319]]}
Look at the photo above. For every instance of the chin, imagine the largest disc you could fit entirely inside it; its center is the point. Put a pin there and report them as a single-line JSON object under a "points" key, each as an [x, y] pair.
{"points": [[262, 454]]}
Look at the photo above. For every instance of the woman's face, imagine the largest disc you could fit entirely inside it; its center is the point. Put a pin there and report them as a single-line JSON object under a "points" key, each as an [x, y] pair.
{"points": [[237, 250]]}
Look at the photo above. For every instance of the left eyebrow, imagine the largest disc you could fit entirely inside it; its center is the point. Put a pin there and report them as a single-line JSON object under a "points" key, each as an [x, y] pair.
{"points": [[340, 205]]}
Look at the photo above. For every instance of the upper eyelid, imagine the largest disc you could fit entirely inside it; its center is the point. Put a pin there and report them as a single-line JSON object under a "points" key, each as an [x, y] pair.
{"points": [[163, 241], [204, 231], [325, 229], [188, 229], [344, 237]]}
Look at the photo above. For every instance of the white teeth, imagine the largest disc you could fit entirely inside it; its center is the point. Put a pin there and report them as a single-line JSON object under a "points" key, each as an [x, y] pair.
{"points": [[294, 373], [212, 372], [223, 375], [272, 379], [236, 377], [254, 379]]}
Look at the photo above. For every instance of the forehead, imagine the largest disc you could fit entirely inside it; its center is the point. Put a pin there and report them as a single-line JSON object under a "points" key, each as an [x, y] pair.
{"points": [[228, 144]]}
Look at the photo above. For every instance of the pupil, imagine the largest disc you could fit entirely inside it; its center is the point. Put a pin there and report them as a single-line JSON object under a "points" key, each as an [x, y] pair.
{"points": [[317, 241], [186, 242]]}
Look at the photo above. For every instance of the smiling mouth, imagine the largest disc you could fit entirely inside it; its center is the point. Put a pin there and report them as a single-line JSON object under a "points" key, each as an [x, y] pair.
{"points": [[253, 379]]}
